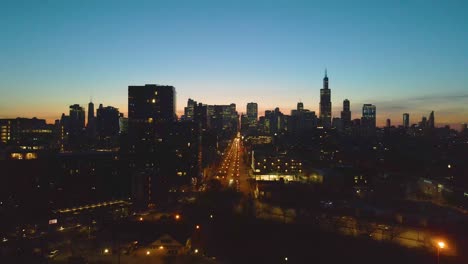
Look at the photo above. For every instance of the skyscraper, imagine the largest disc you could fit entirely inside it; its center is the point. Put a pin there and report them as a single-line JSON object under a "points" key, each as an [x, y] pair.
{"points": [[77, 119], [151, 102], [252, 113], [300, 106], [107, 121], [325, 103], [189, 109], [91, 125], [388, 123], [406, 121], [90, 112], [431, 121], [151, 112], [368, 119], [346, 114]]}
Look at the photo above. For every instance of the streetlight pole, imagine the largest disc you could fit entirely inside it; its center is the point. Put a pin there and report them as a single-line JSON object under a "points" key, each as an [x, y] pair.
{"points": [[440, 245]]}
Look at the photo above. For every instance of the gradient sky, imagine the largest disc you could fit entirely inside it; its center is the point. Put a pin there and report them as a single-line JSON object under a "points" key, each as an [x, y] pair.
{"points": [[402, 56]]}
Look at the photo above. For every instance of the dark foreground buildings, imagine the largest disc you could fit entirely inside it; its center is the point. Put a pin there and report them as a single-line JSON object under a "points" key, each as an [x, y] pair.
{"points": [[163, 153]]}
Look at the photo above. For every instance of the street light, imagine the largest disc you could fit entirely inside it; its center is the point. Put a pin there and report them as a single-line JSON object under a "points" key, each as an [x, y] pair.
{"points": [[106, 251], [440, 245]]}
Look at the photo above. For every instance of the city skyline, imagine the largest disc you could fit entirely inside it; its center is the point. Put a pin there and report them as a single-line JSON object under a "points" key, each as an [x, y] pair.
{"points": [[248, 51]]}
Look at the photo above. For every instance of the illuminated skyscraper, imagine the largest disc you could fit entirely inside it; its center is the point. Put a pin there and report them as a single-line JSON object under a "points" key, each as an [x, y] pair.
{"points": [[406, 121], [325, 103], [368, 116], [252, 113], [189, 109]]}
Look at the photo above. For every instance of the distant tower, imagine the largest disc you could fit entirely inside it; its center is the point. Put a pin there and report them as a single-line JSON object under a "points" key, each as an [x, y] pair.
{"points": [[189, 110], [325, 103], [346, 114], [389, 123], [431, 121], [77, 119], [91, 125], [464, 128], [368, 116], [252, 113], [300, 107], [406, 121]]}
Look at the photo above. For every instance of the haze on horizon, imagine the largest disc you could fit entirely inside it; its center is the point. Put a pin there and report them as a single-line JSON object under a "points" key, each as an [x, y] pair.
{"points": [[402, 57]]}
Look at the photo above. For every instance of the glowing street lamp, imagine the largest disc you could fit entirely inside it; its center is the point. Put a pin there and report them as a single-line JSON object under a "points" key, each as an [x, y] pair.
{"points": [[440, 245], [106, 251]]}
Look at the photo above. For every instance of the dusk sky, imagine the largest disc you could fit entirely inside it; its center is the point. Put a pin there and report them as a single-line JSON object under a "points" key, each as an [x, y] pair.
{"points": [[402, 57]]}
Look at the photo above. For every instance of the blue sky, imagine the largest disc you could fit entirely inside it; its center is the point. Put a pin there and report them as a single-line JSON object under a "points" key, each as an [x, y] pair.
{"points": [[403, 56]]}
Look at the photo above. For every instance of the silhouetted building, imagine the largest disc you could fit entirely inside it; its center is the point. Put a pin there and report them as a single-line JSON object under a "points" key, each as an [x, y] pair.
{"points": [[151, 115], [91, 125], [201, 115], [108, 126], [244, 123], [123, 124], [423, 123], [346, 114], [368, 119], [77, 120], [274, 121], [406, 120], [325, 103], [431, 121], [388, 123], [152, 101], [356, 122], [301, 119], [189, 110], [337, 123]]}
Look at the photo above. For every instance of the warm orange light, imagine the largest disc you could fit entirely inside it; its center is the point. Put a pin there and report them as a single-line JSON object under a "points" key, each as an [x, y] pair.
{"points": [[161, 247], [441, 244], [177, 216], [197, 227], [147, 252], [141, 218]]}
